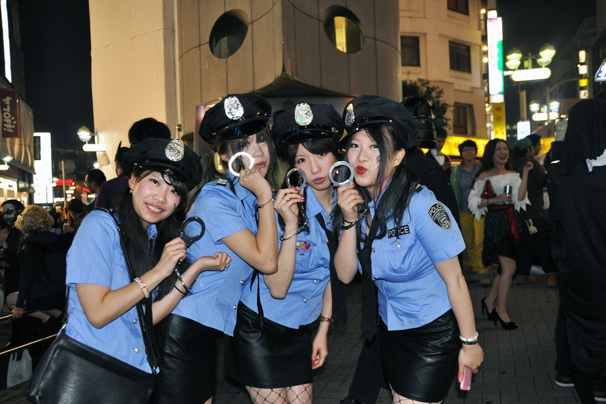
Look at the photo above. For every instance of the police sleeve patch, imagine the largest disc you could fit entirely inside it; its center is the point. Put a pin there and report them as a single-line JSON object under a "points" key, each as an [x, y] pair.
{"points": [[222, 181], [438, 214]]}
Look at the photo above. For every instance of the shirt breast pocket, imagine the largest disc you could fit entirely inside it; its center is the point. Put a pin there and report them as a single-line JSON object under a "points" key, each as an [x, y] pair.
{"points": [[303, 252], [398, 257]]}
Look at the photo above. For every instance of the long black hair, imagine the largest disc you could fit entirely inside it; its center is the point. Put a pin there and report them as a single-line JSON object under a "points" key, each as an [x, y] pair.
{"points": [[396, 197], [487, 161], [143, 254], [210, 173], [319, 146]]}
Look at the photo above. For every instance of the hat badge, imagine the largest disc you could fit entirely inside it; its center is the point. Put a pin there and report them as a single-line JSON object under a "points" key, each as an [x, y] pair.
{"points": [[233, 108], [175, 150], [350, 117], [303, 114]]}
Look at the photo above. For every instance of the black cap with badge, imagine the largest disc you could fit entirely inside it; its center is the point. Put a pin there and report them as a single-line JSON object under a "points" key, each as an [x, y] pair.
{"points": [[170, 157], [370, 110], [236, 116], [306, 123]]}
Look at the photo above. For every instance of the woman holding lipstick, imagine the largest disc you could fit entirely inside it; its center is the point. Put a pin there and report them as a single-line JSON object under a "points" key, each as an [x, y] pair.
{"points": [[240, 220], [275, 355], [406, 246]]}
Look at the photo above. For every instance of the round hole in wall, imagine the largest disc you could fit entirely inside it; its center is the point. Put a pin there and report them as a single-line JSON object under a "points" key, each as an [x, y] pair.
{"points": [[228, 34], [344, 29]]}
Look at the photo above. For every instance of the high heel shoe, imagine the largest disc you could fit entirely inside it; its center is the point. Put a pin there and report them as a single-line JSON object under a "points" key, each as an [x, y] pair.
{"points": [[507, 326], [489, 315]]}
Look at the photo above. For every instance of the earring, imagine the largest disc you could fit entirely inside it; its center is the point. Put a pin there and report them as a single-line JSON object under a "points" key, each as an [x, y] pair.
{"points": [[130, 191], [219, 164]]}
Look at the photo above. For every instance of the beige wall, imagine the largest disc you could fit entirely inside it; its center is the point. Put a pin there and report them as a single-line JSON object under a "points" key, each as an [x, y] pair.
{"points": [[435, 26], [286, 38], [133, 67]]}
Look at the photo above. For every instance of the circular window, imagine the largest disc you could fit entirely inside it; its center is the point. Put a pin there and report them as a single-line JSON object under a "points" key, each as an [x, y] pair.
{"points": [[343, 29], [228, 34]]}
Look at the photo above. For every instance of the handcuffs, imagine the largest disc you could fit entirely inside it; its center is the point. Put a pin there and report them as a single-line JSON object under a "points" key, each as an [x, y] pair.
{"points": [[302, 180], [231, 160], [189, 240], [334, 167]]}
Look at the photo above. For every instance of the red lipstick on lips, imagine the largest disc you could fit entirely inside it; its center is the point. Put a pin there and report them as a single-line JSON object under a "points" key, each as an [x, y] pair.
{"points": [[360, 170]]}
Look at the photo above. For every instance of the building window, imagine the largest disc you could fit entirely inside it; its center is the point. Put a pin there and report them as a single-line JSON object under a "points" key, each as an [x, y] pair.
{"points": [[410, 51], [228, 33], [460, 57], [459, 119], [460, 6], [343, 29]]}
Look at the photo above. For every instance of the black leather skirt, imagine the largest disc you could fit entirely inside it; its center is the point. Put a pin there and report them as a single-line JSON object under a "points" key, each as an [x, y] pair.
{"points": [[273, 356], [187, 370], [420, 363]]}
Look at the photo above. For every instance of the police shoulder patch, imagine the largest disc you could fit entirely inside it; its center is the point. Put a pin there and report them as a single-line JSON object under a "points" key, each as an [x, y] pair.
{"points": [[438, 214], [222, 181]]}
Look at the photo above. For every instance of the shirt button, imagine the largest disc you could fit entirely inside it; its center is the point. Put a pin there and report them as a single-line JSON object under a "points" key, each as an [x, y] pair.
{"points": [[315, 281], [327, 239], [327, 222], [373, 250], [304, 300], [398, 245], [242, 282], [325, 266], [234, 307], [375, 277], [302, 254], [137, 350], [135, 321]]}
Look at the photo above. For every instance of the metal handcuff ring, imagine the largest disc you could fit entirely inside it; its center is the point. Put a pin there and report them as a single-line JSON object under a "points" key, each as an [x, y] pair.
{"points": [[231, 160], [303, 176], [338, 164], [189, 240]]}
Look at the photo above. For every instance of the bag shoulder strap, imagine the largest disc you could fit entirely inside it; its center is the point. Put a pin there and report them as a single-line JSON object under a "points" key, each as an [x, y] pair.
{"points": [[145, 316]]}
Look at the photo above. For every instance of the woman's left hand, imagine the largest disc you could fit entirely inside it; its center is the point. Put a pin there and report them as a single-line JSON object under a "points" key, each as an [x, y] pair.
{"points": [[471, 356], [529, 166], [319, 351], [18, 312]]}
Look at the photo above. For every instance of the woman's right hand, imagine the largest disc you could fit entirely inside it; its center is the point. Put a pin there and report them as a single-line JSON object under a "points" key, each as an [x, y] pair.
{"points": [[173, 253], [286, 205], [348, 199], [256, 183]]}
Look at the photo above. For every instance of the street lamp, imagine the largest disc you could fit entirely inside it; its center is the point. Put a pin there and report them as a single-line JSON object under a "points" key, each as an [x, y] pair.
{"points": [[534, 107], [85, 135]]}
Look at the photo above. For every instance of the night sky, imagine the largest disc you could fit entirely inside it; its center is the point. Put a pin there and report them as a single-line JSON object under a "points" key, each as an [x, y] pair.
{"points": [[55, 39], [56, 45]]}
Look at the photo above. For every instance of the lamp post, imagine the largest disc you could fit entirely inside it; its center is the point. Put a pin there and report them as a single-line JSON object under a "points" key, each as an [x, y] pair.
{"points": [[514, 60], [85, 135]]}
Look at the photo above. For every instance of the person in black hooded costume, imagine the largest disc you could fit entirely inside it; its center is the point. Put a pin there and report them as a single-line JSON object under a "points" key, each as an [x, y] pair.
{"points": [[581, 191]]}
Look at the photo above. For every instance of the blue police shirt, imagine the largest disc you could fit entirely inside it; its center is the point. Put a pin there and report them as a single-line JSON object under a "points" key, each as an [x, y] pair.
{"points": [[411, 291], [215, 297], [96, 257], [303, 302]]}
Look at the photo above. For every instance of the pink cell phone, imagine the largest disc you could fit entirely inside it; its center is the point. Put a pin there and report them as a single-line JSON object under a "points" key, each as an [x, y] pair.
{"points": [[466, 382]]}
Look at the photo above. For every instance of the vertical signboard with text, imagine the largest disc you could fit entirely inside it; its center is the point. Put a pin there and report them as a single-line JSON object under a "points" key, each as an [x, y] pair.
{"points": [[43, 179], [495, 56], [9, 104], [499, 120]]}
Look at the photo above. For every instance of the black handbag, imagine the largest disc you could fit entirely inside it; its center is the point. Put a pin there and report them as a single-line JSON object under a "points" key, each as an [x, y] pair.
{"points": [[72, 372]]}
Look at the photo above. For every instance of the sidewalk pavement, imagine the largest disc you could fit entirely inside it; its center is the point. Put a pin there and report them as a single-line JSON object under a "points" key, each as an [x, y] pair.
{"points": [[518, 365]]}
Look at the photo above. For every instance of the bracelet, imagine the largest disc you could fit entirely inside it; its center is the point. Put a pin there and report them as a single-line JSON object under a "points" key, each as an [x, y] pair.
{"points": [[257, 207], [351, 224], [282, 238], [187, 290], [326, 320], [143, 287], [182, 292], [470, 341]]}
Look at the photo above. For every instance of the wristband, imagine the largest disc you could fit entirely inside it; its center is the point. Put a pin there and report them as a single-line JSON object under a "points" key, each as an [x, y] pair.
{"points": [[257, 207], [470, 341], [326, 320], [143, 287], [187, 290]]}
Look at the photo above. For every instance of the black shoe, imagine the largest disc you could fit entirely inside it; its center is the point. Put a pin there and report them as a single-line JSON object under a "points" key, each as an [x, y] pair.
{"points": [[350, 400], [508, 326], [489, 315]]}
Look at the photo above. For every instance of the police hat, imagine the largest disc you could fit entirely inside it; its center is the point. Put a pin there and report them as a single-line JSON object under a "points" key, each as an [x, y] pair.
{"points": [[235, 117], [371, 110], [306, 123], [170, 157]]}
